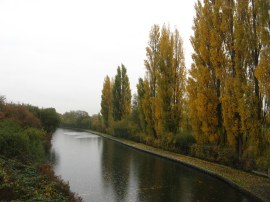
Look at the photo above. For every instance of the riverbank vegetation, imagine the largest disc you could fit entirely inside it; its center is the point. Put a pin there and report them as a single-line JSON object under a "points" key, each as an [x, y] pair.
{"points": [[218, 109], [25, 134]]}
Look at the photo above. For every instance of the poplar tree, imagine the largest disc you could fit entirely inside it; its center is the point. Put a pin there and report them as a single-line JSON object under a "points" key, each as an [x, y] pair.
{"points": [[164, 79], [161, 92], [179, 81], [121, 94], [106, 102], [125, 93], [151, 84], [171, 79], [262, 73], [204, 83], [116, 96], [141, 96]]}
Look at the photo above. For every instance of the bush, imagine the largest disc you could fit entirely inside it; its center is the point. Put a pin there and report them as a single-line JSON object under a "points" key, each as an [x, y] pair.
{"points": [[21, 115], [183, 141], [207, 152], [36, 146], [25, 145], [147, 139], [126, 129], [224, 155], [227, 156], [19, 182], [263, 163], [167, 141]]}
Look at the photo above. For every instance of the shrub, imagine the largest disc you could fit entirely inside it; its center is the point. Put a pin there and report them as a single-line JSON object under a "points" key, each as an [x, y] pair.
{"points": [[149, 140], [36, 146], [183, 141], [262, 163], [21, 115], [24, 145], [167, 141], [227, 156], [126, 129], [224, 155]]}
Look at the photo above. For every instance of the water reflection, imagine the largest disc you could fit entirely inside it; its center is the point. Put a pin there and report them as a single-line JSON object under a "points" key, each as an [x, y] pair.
{"points": [[102, 170], [119, 161]]}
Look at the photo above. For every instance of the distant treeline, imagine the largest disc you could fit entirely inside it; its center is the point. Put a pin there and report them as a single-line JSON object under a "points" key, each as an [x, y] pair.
{"points": [[81, 119], [217, 110]]}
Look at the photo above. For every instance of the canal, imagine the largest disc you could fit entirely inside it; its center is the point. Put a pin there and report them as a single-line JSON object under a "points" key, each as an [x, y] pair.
{"points": [[100, 170]]}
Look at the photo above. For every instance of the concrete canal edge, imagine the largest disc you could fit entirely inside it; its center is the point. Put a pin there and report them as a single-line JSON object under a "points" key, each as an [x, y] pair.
{"points": [[172, 156]]}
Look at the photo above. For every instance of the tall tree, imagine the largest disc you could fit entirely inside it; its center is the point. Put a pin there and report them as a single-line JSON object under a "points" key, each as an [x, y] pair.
{"points": [[140, 104], [106, 102], [151, 85], [262, 73], [121, 94], [204, 83], [162, 91], [116, 96], [126, 93], [165, 76], [171, 79], [178, 81]]}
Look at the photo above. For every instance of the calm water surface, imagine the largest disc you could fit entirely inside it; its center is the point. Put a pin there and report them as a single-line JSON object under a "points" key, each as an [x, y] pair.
{"points": [[100, 170]]}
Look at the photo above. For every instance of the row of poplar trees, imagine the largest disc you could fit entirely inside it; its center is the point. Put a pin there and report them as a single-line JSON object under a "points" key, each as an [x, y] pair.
{"points": [[228, 88], [225, 95], [160, 95], [116, 97]]}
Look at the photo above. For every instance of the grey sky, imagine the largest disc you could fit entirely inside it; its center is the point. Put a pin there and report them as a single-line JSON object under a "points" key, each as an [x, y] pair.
{"points": [[56, 53]]}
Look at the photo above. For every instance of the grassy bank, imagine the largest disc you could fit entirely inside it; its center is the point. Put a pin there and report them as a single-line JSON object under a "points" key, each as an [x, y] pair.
{"points": [[249, 183], [20, 182]]}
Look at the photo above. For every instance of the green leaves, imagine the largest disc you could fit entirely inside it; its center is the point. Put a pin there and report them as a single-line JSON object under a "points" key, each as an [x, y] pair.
{"points": [[25, 145], [121, 94]]}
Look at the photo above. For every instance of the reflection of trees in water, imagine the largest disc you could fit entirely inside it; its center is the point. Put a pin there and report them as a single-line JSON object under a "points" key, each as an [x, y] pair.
{"points": [[115, 161], [162, 180], [150, 178], [157, 179]]}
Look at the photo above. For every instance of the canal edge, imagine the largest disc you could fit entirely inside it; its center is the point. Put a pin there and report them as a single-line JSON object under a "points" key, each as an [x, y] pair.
{"points": [[164, 156]]}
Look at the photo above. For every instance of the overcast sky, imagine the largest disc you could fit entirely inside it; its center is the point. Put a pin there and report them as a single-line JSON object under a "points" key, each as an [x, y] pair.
{"points": [[56, 53]]}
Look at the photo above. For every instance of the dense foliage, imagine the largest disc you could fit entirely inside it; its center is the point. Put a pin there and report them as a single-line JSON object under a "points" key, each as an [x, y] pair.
{"points": [[227, 95], [48, 116], [121, 94], [25, 145], [20, 182], [25, 133], [76, 119], [106, 102]]}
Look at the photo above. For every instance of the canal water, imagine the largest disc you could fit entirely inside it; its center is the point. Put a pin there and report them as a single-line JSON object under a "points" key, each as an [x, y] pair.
{"points": [[102, 170]]}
